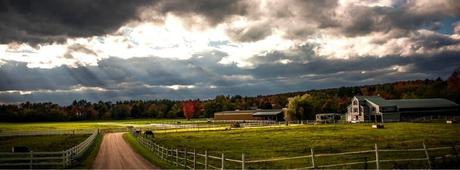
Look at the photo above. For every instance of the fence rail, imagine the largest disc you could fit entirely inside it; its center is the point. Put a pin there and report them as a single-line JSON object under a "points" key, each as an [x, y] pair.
{"points": [[187, 158], [50, 132], [431, 118], [63, 159]]}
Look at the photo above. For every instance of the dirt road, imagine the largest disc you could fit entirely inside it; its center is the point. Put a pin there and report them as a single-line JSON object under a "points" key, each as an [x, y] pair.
{"points": [[115, 153]]}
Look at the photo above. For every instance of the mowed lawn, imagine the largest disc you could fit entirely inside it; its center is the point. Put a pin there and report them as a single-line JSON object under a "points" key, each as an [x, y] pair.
{"points": [[275, 142], [41, 143]]}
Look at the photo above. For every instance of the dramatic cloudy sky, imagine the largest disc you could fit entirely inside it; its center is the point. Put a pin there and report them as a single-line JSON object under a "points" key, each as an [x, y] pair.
{"points": [[58, 51]]}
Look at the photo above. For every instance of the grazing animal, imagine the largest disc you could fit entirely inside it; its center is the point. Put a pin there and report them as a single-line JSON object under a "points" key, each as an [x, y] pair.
{"points": [[137, 133], [235, 125], [149, 133]]}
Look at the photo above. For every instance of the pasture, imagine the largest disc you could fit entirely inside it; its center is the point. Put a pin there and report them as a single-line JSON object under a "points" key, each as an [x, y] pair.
{"points": [[278, 142], [257, 143], [42, 143], [88, 125]]}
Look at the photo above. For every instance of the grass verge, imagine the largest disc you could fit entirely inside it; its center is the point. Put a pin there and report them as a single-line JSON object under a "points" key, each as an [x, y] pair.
{"points": [[86, 161], [144, 152]]}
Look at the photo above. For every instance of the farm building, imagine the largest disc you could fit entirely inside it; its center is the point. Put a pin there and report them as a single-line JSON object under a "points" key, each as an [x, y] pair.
{"points": [[327, 117], [276, 115], [375, 108]]}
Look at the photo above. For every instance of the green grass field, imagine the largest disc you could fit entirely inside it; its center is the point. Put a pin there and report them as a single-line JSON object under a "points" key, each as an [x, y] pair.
{"points": [[41, 143], [103, 124], [264, 143]]}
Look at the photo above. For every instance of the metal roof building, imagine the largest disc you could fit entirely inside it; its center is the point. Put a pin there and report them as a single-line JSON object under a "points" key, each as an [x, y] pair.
{"points": [[375, 108], [275, 114]]}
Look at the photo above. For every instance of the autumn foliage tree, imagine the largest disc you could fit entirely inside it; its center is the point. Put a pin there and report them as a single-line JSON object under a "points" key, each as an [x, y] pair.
{"points": [[188, 108]]}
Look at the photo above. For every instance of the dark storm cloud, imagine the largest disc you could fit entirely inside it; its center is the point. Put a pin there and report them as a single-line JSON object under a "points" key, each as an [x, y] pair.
{"points": [[300, 19], [254, 32], [78, 48], [17, 76], [42, 21], [297, 18], [110, 73], [439, 65], [213, 11], [362, 20], [154, 78], [428, 54], [55, 21]]}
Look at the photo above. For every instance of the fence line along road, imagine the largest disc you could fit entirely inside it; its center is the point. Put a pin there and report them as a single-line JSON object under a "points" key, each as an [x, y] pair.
{"points": [[49, 132], [188, 158], [62, 159]]}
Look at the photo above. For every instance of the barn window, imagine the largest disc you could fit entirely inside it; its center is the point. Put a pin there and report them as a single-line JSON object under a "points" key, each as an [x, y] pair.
{"points": [[355, 102], [373, 109], [355, 110]]}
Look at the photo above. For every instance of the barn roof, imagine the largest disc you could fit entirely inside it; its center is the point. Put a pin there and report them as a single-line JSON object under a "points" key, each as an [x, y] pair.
{"points": [[253, 112], [239, 111], [267, 113], [326, 114], [376, 100], [423, 103], [410, 103]]}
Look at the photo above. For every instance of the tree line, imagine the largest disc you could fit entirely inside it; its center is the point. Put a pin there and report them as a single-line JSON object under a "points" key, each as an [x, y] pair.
{"points": [[303, 105]]}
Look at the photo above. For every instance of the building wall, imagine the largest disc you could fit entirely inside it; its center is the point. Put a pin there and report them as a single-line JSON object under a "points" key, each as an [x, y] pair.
{"points": [[356, 110], [233, 116], [392, 117]]}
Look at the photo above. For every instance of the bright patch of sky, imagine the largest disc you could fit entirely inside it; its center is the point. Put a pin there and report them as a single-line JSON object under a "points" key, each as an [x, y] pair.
{"points": [[171, 40]]}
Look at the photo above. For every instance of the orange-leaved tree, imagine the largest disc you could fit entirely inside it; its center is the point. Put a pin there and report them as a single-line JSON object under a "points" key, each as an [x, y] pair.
{"points": [[188, 107]]}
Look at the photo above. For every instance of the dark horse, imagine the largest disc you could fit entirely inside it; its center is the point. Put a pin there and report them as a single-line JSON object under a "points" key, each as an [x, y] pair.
{"points": [[148, 133]]}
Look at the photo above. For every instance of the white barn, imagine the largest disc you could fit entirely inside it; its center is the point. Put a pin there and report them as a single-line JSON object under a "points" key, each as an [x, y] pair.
{"points": [[375, 108]]}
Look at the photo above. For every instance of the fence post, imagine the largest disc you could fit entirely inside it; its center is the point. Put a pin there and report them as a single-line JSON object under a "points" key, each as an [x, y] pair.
{"points": [[242, 161], [206, 159], [160, 151], [166, 153], [171, 154], [377, 163], [455, 151], [194, 158], [163, 152], [73, 152], [223, 161], [157, 149], [427, 155], [31, 159], [365, 162], [69, 158], [63, 159], [312, 158], [185, 158], [177, 157]]}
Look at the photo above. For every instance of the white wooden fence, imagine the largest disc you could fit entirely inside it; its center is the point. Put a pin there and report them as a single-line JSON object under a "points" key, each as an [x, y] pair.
{"points": [[48, 132], [61, 159], [431, 118], [190, 159]]}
